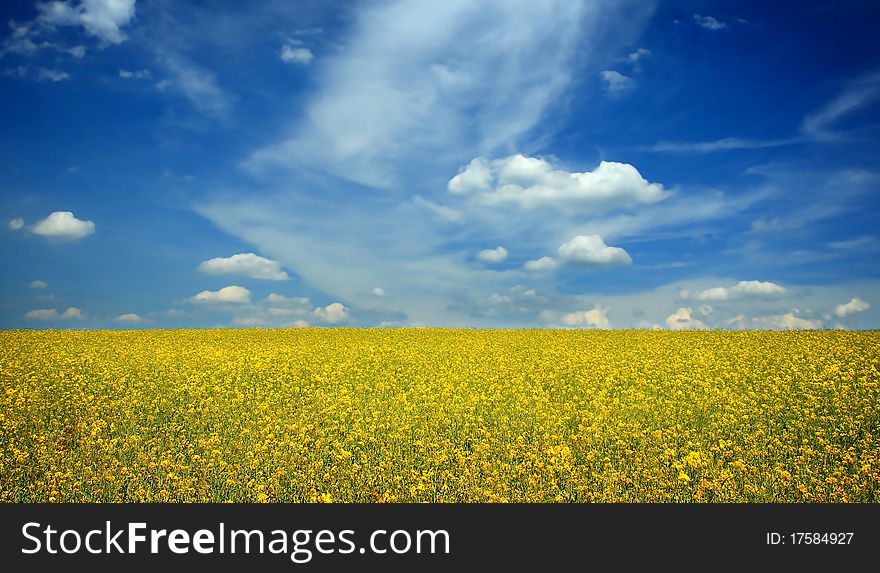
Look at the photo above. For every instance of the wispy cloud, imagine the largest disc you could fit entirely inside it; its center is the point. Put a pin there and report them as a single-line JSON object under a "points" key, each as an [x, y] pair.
{"points": [[721, 145], [816, 126], [417, 91], [861, 93], [199, 86]]}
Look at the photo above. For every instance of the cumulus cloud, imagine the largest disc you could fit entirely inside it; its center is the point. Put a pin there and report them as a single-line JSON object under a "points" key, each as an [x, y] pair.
{"points": [[103, 19], [378, 291], [332, 313], [615, 82], [232, 294], [592, 250], [496, 255], [682, 319], [296, 55], [16, 224], [595, 318], [244, 264], [530, 182], [741, 289], [38, 284], [64, 226], [42, 314], [709, 22], [130, 318], [542, 264], [419, 89], [788, 321], [72, 313], [476, 176], [853, 306]]}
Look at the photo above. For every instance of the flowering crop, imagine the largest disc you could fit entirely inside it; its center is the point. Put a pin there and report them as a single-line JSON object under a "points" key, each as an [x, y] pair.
{"points": [[439, 416]]}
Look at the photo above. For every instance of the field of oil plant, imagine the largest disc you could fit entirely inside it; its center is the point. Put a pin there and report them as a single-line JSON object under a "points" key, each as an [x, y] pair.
{"points": [[436, 415]]}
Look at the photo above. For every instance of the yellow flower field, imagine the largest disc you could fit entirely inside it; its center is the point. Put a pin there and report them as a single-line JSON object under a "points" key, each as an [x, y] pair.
{"points": [[439, 416]]}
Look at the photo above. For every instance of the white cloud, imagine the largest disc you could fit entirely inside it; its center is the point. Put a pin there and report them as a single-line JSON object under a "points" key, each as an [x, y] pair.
{"points": [[275, 311], [131, 318], [38, 284], [496, 255], [709, 22], [232, 294], [244, 264], [582, 250], [63, 225], [442, 211], [542, 264], [639, 54], [531, 182], [296, 55], [853, 306], [788, 321], [197, 85], [332, 313], [46, 75], [476, 176], [592, 250], [741, 289], [496, 299], [816, 126], [682, 319], [16, 224], [706, 309], [77, 52], [865, 242], [378, 291], [859, 94], [137, 74], [724, 144], [100, 18], [42, 314], [596, 318], [72, 313], [401, 106], [616, 83], [20, 41], [279, 299], [411, 83]]}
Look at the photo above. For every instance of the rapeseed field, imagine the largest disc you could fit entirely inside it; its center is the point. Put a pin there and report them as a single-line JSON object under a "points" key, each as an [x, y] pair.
{"points": [[437, 415]]}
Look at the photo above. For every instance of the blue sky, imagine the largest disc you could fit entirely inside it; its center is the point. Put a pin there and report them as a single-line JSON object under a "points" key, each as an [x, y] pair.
{"points": [[597, 164]]}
